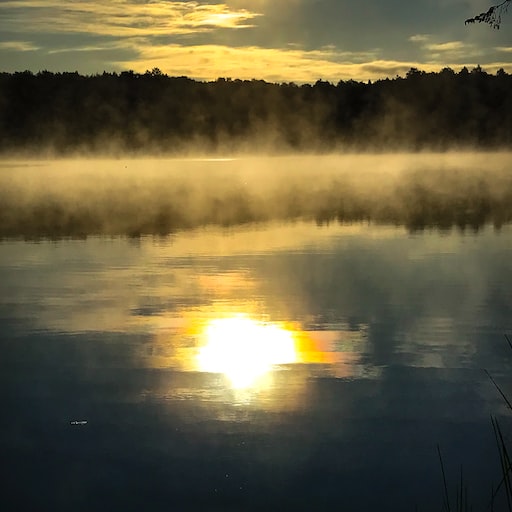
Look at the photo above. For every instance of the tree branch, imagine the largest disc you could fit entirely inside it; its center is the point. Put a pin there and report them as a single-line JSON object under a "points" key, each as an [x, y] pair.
{"points": [[492, 16]]}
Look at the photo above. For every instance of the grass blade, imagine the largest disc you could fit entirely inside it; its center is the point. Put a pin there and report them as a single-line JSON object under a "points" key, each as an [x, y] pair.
{"points": [[499, 389], [505, 466], [509, 342], [447, 500]]}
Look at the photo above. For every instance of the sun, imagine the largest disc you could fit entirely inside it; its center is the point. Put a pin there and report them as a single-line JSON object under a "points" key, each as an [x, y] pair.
{"points": [[245, 350]]}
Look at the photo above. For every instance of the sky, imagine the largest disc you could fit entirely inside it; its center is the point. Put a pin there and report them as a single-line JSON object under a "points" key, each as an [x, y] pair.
{"points": [[298, 41]]}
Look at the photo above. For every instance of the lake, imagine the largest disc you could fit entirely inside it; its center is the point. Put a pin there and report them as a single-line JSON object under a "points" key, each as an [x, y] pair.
{"points": [[310, 355]]}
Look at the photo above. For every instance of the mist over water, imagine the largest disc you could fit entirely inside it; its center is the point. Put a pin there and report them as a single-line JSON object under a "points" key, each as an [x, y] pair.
{"points": [[77, 198], [277, 364]]}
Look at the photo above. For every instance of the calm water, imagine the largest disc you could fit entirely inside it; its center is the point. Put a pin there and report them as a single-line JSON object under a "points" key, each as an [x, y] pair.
{"points": [[363, 348], [278, 366]]}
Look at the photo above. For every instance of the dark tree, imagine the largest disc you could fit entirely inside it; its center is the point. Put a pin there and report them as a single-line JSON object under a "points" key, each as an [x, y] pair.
{"points": [[492, 16], [152, 113]]}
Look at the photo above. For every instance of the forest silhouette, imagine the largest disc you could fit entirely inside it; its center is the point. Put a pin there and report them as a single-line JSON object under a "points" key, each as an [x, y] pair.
{"points": [[152, 113]]}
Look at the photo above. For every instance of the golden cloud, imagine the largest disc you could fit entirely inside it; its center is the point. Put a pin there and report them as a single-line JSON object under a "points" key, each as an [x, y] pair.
{"points": [[209, 62], [18, 46], [446, 47], [123, 18]]}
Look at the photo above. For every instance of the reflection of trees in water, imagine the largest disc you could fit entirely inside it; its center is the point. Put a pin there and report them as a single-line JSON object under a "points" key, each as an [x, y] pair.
{"points": [[67, 113], [37, 204]]}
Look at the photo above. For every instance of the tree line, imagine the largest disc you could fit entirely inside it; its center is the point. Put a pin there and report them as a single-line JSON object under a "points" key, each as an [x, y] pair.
{"points": [[152, 113]]}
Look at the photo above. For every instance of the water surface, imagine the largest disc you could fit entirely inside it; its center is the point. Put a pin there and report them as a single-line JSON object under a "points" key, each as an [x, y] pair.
{"points": [[272, 366]]}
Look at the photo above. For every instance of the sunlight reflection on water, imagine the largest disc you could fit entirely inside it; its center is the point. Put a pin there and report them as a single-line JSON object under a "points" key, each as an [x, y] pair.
{"points": [[245, 350], [273, 353], [260, 361]]}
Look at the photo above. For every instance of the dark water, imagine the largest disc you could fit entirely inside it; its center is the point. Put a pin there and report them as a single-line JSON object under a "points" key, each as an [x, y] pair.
{"points": [[363, 347]]}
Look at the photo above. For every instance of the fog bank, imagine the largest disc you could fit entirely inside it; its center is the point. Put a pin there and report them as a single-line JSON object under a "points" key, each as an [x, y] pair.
{"points": [[133, 197]]}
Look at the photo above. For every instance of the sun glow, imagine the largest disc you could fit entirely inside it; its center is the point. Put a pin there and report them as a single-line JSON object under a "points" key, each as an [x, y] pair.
{"points": [[245, 350]]}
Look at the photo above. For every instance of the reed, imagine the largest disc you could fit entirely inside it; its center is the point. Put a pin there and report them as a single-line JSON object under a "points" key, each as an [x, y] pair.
{"points": [[505, 484]]}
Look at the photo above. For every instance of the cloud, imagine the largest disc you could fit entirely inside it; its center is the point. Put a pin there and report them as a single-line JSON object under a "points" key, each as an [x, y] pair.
{"points": [[454, 50], [450, 46], [419, 38], [18, 46], [290, 40], [446, 47], [122, 18], [209, 62], [104, 47]]}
